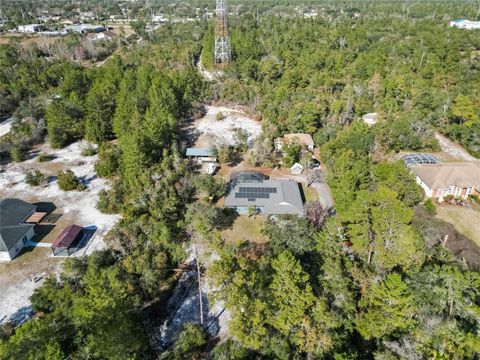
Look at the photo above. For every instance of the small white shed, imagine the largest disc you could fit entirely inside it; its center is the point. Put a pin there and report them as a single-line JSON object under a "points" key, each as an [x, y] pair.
{"points": [[297, 169]]}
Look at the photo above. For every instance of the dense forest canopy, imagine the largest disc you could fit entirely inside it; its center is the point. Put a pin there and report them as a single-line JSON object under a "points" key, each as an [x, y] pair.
{"points": [[313, 75], [367, 282]]}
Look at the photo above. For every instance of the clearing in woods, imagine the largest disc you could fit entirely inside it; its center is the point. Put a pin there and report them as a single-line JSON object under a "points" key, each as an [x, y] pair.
{"points": [[465, 220]]}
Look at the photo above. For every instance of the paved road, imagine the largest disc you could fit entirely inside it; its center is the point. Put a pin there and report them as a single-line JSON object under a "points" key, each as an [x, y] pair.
{"points": [[324, 194], [322, 189]]}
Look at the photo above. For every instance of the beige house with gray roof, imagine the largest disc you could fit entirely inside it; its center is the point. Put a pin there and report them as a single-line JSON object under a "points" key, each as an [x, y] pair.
{"points": [[456, 179]]}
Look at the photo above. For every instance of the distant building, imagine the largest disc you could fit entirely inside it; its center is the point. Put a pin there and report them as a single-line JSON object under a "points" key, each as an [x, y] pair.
{"points": [[48, 18], [68, 22], [53, 33], [310, 14], [87, 15], [305, 140], [17, 222], [296, 169], [370, 118], [270, 197], [30, 28], [105, 35], [159, 18], [457, 179], [85, 28], [465, 24]]}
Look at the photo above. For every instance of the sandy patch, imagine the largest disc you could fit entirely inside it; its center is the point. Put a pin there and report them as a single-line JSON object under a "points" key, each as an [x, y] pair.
{"points": [[75, 207], [212, 132], [5, 127]]}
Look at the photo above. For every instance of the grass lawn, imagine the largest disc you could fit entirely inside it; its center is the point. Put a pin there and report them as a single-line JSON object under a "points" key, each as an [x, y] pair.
{"points": [[245, 229], [309, 192], [465, 220]]}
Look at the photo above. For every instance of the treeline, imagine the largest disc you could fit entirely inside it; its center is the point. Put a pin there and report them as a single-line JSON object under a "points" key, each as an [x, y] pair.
{"points": [[316, 74], [367, 285], [69, 102], [104, 306]]}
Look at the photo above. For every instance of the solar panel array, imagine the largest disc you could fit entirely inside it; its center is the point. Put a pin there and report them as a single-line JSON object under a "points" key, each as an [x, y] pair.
{"points": [[416, 159], [253, 193]]}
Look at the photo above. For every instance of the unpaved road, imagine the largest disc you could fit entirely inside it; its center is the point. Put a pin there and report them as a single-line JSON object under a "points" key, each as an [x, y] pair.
{"points": [[453, 149]]}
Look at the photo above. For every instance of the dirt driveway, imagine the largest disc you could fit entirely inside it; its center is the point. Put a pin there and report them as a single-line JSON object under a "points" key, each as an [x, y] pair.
{"points": [[453, 149]]}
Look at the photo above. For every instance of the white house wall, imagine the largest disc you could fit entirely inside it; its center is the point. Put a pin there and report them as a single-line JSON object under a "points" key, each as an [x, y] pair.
{"points": [[5, 256], [428, 191], [14, 251]]}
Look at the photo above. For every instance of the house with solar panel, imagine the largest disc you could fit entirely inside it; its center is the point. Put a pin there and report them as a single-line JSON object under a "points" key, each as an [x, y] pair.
{"points": [[419, 159], [459, 180], [270, 197]]}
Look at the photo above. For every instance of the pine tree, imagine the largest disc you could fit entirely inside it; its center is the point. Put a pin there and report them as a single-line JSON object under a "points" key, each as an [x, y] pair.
{"points": [[388, 308]]}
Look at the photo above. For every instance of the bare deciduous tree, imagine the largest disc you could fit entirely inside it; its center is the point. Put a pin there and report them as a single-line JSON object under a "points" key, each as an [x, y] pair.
{"points": [[316, 214], [314, 176]]}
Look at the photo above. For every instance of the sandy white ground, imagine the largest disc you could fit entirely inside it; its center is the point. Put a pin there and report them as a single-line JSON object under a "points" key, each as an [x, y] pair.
{"points": [[76, 207], [5, 127], [213, 132], [207, 75], [81, 204], [185, 303]]}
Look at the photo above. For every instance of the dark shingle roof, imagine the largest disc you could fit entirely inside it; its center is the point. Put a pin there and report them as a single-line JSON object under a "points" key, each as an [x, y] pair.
{"points": [[14, 211], [12, 214], [10, 235]]}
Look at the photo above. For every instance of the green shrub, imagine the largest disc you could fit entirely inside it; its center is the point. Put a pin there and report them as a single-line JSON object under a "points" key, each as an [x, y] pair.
{"points": [[292, 154], [430, 207], [448, 198], [110, 202], [68, 181], [17, 154], [214, 188], [34, 178], [107, 163], [190, 342], [220, 116], [45, 157], [89, 151]]}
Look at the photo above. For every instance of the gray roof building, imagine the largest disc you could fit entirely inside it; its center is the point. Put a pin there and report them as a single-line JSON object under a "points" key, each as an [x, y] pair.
{"points": [[271, 197], [200, 152], [13, 213]]}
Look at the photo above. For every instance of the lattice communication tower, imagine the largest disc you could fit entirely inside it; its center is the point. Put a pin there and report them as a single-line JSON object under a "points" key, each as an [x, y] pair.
{"points": [[223, 49]]}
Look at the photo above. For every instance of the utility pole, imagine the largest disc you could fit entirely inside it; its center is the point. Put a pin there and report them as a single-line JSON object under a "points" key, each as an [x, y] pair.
{"points": [[199, 278], [223, 50]]}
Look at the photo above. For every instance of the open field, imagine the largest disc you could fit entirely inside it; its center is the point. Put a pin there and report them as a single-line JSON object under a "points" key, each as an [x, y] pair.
{"points": [[465, 220], [245, 229], [27, 40], [65, 208]]}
